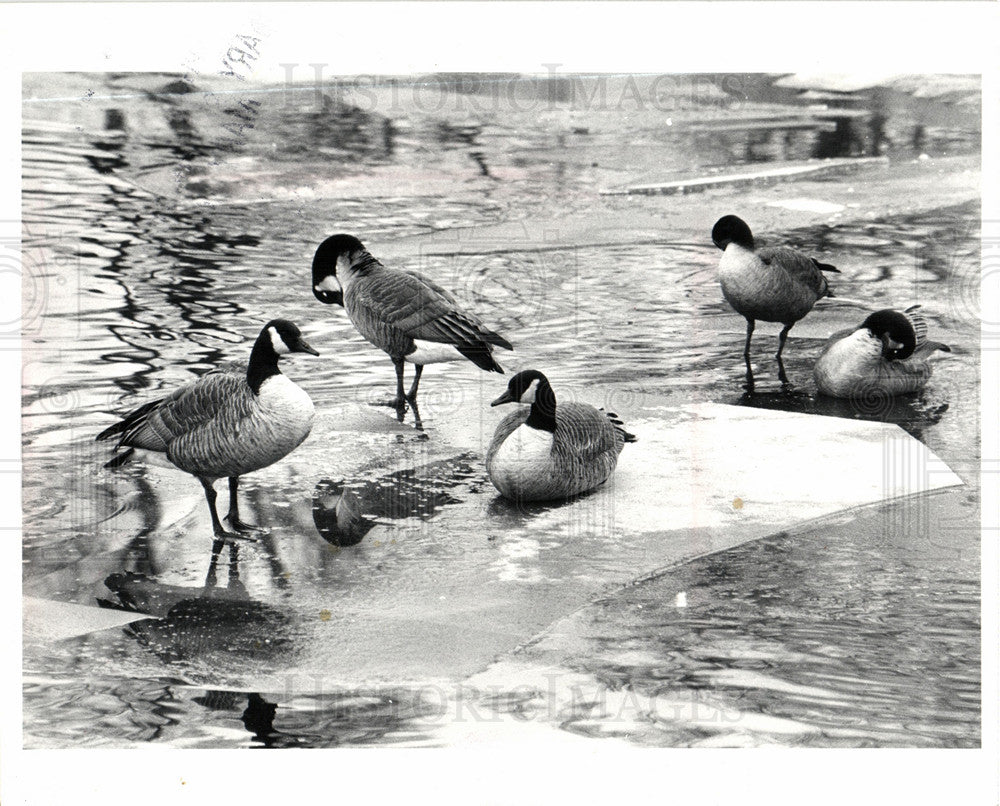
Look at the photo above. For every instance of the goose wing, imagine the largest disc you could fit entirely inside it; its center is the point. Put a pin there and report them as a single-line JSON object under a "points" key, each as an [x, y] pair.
{"points": [[583, 431], [799, 267], [835, 337], [219, 398], [423, 310]]}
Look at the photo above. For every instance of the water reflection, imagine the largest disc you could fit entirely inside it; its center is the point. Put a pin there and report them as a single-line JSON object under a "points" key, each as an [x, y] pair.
{"points": [[913, 413], [212, 624], [345, 511], [337, 514]]}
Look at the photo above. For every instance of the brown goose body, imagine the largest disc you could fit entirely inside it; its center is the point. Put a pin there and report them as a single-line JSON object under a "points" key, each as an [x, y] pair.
{"points": [[776, 284], [888, 355], [227, 423], [548, 451], [218, 427], [526, 464], [403, 313], [772, 285], [410, 317]]}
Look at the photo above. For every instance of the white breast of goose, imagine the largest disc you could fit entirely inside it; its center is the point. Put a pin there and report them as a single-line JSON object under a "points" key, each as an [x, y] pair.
{"points": [[283, 419], [847, 365], [744, 278], [524, 461]]}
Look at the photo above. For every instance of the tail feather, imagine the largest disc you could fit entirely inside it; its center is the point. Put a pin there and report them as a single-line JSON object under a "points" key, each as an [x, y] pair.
{"points": [[490, 337], [480, 355], [128, 424], [936, 345], [825, 267], [619, 426], [918, 323]]}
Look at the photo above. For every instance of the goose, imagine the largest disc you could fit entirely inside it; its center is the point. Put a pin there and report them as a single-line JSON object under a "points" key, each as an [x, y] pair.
{"points": [[889, 354], [549, 452], [775, 284], [403, 313], [229, 422]]}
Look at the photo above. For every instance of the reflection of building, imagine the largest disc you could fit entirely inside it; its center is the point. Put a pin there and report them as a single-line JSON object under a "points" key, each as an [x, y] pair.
{"points": [[874, 114]]}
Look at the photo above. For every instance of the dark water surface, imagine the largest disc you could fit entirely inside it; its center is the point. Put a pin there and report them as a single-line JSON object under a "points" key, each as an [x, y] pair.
{"points": [[156, 248]]}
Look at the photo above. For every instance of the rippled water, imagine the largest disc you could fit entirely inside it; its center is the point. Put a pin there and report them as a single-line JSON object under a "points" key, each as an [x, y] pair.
{"points": [[155, 248]]}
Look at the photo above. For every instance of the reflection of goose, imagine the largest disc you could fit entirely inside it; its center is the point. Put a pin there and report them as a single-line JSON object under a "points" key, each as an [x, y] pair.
{"points": [[776, 284], [548, 451], [407, 315], [888, 354], [228, 422], [210, 623], [410, 493], [337, 514]]}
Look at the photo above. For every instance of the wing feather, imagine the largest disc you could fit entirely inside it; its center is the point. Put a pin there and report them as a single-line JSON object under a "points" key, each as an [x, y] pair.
{"points": [[220, 398], [799, 267], [422, 309]]}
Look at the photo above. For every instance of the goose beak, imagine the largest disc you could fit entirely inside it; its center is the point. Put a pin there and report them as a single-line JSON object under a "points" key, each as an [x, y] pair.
{"points": [[506, 397], [302, 346]]}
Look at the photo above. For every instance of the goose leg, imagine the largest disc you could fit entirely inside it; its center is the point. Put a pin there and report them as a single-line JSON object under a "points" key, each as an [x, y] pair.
{"points": [[781, 346], [399, 401], [746, 354], [211, 495], [233, 517], [418, 370], [400, 397], [417, 422]]}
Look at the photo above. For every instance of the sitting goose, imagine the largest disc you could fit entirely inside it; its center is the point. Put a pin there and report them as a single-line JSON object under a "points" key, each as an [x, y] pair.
{"points": [[548, 452], [404, 313], [777, 284], [888, 355], [228, 422]]}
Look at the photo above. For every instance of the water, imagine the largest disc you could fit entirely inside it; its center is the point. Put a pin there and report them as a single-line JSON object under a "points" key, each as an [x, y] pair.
{"points": [[155, 246]]}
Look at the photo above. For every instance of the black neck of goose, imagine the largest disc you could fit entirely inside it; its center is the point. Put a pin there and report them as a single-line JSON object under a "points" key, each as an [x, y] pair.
{"points": [[365, 263], [543, 410], [263, 363]]}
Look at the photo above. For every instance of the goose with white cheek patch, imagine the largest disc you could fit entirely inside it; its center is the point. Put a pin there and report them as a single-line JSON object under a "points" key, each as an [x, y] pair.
{"points": [[888, 354], [549, 452], [229, 422], [403, 313], [775, 284]]}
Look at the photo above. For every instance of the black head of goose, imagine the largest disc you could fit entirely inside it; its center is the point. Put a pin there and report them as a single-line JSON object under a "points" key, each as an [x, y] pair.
{"points": [[888, 354], [229, 422], [772, 284], [404, 313], [551, 451]]}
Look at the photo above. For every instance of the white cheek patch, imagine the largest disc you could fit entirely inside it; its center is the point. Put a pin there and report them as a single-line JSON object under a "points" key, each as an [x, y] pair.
{"points": [[343, 265], [277, 342], [528, 396], [328, 283]]}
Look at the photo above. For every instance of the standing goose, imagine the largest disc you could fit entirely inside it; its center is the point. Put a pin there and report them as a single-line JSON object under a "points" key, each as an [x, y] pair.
{"points": [[889, 354], [777, 284], [548, 452], [228, 422], [404, 313]]}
